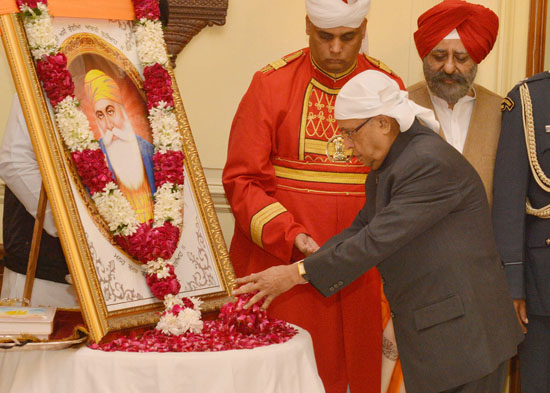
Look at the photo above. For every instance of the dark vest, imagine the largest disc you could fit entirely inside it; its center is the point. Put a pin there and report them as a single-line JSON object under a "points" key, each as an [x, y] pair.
{"points": [[18, 229]]}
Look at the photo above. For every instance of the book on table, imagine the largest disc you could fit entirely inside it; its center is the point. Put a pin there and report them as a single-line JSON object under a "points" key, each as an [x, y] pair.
{"points": [[18, 321]]}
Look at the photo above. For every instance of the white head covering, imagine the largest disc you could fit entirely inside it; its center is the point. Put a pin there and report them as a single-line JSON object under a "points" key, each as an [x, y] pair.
{"points": [[453, 35], [372, 93], [327, 14]]}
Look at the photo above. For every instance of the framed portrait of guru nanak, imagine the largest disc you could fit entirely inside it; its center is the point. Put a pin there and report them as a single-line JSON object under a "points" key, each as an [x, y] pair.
{"points": [[119, 164]]}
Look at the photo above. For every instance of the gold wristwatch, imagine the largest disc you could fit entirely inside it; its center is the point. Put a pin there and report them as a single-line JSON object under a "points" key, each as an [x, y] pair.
{"points": [[302, 270]]}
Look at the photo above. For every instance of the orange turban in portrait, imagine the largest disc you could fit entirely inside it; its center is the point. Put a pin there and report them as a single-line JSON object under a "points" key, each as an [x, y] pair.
{"points": [[99, 85], [476, 25]]}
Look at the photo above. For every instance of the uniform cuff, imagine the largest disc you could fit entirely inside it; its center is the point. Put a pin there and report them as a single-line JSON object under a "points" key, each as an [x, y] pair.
{"points": [[514, 276]]}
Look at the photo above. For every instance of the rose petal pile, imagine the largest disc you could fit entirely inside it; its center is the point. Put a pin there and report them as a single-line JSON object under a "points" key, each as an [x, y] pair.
{"points": [[236, 328], [246, 321]]}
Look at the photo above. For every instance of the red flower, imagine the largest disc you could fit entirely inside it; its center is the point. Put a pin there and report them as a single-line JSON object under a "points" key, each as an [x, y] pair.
{"points": [[56, 79], [157, 85], [188, 303], [92, 169], [250, 321], [146, 9], [30, 3], [164, 286], [149, 244], [168, 167]]}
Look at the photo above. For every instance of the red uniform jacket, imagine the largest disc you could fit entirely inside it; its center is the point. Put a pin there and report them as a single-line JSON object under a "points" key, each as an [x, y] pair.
{"points": [[280, 182]]}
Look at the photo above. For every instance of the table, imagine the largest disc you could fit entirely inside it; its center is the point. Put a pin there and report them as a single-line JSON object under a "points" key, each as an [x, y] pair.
{"points": [[279, 368]]}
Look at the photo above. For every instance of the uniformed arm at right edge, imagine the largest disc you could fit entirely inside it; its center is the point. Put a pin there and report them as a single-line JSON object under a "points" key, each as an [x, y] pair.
{"points": [[249, 177], [510, 187]]}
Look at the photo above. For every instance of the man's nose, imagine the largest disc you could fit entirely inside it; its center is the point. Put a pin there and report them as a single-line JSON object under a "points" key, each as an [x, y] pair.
{"points": [[450, 66], [335, 46], [109, 123]]}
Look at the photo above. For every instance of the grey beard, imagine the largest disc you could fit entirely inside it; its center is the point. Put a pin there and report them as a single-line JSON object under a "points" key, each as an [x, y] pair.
{"points": [[451, 94]]}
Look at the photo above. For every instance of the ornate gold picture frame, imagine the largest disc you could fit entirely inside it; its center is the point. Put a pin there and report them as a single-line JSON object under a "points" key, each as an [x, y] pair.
{"points": [[110, 285]]}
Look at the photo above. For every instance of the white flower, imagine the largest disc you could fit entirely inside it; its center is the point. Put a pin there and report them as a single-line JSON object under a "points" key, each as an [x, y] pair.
{"points": [[74, 126], [190, 320], [116, 210], [171, 300], [168, 205], [186, 320], [165, 128], [160, 267], [39, 31], [169, 324], [150, 42], [197, 303]]}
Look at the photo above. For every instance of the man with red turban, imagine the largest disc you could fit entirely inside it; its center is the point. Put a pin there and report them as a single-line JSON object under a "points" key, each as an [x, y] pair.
{"points": [[292, 185], [453, 37]]}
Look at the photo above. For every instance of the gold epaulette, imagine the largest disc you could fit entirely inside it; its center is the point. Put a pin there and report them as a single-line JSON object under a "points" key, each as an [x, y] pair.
{"points": [[379, 64], [507, 104], [275, 65]]}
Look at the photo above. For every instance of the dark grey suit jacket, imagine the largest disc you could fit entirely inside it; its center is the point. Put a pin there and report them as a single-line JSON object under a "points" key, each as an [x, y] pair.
{"points": [[426, 226]]}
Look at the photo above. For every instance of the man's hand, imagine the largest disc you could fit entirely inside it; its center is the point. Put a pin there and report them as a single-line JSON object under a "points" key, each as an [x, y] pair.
{"points": [[269, 283], [305, 244], [521, 312]]}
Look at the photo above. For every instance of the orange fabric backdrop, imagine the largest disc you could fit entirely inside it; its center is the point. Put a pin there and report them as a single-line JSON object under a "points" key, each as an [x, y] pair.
{"points": [[99, 9]]}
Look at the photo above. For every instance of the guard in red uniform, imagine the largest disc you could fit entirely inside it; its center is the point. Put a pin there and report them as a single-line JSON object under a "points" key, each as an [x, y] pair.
{"points": [[292, 185]]}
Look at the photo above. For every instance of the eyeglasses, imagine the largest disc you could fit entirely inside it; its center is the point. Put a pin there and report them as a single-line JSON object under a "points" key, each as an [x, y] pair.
{"points": [[350, 133]]}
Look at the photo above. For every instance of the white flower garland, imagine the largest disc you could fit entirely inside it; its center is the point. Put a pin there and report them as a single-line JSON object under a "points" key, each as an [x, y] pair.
{"points": [[150, 41], [39, 31]]}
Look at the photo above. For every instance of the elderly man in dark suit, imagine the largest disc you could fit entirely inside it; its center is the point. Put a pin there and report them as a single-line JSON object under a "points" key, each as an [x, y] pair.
{"points": [[427, 228]]}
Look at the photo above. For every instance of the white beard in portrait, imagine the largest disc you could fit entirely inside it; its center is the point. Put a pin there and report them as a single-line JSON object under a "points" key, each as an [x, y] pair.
{"points": [[124, 155]]}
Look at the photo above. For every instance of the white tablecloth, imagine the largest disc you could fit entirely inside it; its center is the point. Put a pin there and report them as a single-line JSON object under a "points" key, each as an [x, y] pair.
{"points": [[280, 368]]}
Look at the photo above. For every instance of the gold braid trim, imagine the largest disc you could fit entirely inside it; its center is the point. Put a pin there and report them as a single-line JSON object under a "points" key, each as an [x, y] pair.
{"points": [[543, 212], [529, 130], [261, 219]]}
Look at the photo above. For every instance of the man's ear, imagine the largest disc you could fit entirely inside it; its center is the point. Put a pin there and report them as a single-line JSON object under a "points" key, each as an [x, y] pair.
{"points": [[308, 26], [384, 122], [363, 28]]}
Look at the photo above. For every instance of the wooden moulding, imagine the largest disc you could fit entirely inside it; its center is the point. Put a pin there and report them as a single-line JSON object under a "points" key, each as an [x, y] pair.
{"points": [[536, 37], [187, 18]]}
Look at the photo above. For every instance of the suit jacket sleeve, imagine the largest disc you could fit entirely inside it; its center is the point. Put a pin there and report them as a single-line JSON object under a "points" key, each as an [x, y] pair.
{"points": [[510, 189], [249, 178], [422, 193]]}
